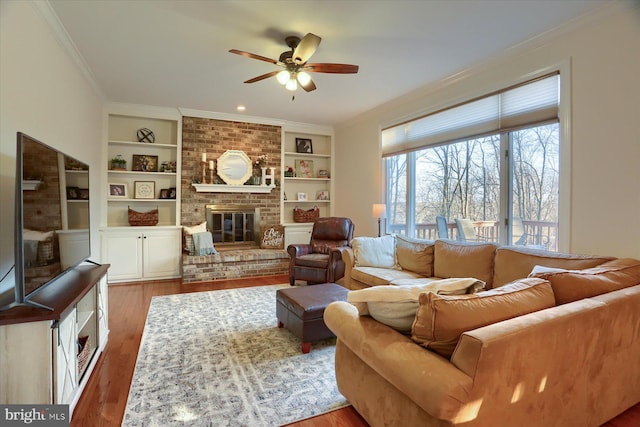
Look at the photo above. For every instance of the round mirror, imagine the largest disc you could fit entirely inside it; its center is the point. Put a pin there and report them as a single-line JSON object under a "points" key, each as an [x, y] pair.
{"points": [[234, 167]]}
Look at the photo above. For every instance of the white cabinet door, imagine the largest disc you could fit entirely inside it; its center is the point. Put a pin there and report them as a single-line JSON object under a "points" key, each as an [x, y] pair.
{"points": [[65, 354], [161, 253], [294, 234], [123, 250]]}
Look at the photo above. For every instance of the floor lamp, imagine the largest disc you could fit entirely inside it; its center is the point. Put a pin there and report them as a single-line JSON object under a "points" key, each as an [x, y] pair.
{"points": [[379, 211]]}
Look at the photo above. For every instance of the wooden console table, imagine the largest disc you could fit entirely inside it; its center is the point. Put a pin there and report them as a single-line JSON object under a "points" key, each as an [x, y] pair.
{"points": [[32, 338]]}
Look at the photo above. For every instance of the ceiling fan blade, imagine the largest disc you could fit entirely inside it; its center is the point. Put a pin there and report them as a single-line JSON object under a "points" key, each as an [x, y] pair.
{"points": [[253, 56], [332, 68], [263, 76], [306, 48], [309, 86]]}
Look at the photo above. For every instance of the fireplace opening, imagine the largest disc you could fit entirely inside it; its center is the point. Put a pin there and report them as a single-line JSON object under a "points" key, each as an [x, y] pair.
{"points": [[233, 224]]}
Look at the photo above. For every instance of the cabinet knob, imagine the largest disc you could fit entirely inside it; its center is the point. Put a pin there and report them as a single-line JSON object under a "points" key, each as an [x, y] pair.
{"points": [[144, 237], [139, 237]]}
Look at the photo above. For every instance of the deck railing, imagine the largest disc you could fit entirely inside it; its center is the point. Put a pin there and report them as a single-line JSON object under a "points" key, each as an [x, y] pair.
{"points": [[539, 233]]}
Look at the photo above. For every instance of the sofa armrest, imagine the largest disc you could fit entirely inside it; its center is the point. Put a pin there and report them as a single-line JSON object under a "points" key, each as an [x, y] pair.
{"points": [[548, 355], [428, 379], [348, 258]]}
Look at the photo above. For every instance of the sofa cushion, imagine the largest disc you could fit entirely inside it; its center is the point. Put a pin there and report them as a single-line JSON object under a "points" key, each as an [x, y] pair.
{"points": [[513, 262], [188, 236], [396, 306], [461, 259], [573, 285], [441, 319], [374, 276], [415, 255], [374, 251]]}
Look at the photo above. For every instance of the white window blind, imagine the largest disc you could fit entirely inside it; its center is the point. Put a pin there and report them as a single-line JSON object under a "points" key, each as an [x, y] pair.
{"points": [[526, 104]]}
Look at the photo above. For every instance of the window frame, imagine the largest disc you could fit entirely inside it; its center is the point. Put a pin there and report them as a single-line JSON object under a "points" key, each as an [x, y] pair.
{"points": [[563, 68]]}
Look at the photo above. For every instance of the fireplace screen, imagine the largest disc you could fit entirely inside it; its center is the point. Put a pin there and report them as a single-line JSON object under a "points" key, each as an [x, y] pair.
{"points": [[233, 223]]}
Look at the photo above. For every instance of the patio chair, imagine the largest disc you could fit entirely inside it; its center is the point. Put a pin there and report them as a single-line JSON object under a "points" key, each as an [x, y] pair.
{"points": [[442, 227], [466, 231], [518, 236]]}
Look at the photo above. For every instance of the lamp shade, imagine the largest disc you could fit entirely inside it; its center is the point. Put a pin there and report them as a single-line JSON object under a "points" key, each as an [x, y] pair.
{"points": [[283, 77], [303, 78], [379, 210], [292, 84]]}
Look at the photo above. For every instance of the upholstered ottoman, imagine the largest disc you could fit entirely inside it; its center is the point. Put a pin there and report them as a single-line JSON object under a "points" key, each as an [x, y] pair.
{"points": [[300, 310]]}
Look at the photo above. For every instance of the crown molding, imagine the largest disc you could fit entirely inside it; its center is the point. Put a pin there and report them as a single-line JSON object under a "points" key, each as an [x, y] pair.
{"points": [[64, 39]]}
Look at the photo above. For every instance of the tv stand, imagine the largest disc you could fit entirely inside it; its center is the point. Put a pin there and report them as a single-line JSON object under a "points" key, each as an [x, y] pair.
{"points": [[32, 338]]}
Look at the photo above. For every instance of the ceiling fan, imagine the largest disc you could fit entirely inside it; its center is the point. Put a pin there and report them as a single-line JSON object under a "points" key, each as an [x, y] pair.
{"points": [[296, 69]]}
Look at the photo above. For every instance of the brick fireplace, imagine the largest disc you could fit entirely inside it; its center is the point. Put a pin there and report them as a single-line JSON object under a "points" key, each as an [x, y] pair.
{"points": [[233, 226]]}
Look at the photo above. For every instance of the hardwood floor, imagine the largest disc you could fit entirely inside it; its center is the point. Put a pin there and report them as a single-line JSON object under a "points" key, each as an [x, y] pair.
{"points": [[105, 396]]}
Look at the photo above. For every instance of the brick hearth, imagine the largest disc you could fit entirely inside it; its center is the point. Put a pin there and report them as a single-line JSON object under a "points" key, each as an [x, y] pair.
{"points": [[234, 264]]}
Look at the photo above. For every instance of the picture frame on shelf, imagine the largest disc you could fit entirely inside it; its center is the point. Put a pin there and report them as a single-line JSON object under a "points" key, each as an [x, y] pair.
{"points": [[322, 195], [304, 145], [164, 193], [144, 189], [144, 163], [172, 192], [72, 193], [304, 168], [118, 190], [302, 197], [83, 194]]}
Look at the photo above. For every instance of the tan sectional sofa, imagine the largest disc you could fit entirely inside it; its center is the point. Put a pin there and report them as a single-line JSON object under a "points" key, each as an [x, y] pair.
{"points": [[573, 364]]}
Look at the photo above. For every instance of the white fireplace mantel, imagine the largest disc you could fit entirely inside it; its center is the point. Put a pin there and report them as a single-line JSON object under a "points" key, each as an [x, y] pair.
{"points": [[226, 188]]}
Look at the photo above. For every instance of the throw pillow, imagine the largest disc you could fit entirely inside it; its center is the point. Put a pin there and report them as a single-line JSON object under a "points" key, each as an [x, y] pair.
{"points": [[573, 285], [460, 259], [441, 319], [374, 251], [396, 306], [188, 238], [415, 255]]}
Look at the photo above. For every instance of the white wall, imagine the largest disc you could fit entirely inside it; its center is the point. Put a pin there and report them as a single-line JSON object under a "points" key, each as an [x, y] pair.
{"points": [[602, 50], [44, 94]]}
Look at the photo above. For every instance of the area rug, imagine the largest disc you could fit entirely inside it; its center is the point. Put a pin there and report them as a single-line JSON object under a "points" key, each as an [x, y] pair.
{"points": [[218, 359]]}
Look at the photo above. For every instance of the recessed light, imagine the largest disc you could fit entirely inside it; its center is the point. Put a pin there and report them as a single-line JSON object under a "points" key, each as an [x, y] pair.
{"points": [[241, 108]]}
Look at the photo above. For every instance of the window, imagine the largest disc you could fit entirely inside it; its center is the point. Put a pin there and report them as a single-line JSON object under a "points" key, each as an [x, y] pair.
{"points": [[492, 173]]}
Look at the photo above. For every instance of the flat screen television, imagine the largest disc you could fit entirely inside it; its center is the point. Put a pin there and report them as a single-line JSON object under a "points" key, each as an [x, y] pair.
{"points": [[51, 217]]}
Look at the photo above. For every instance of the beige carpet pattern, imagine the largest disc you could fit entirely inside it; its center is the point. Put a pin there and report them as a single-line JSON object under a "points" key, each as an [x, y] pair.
{"points": [[218, 359]]}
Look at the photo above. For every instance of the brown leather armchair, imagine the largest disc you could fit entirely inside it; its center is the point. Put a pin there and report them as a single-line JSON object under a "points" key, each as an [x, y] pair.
{"points": [[320, 261]]}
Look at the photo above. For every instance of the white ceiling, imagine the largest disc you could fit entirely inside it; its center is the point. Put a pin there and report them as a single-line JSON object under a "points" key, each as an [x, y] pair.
{"points": [[174, 53]]}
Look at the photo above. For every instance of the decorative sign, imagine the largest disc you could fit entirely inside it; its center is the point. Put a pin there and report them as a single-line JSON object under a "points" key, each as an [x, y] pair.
{"points": [[273, 237]]}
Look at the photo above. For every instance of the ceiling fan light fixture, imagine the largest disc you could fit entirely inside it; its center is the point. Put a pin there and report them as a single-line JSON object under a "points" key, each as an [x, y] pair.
{"points": [[283, 77], [292, 84], [303, 78]]}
